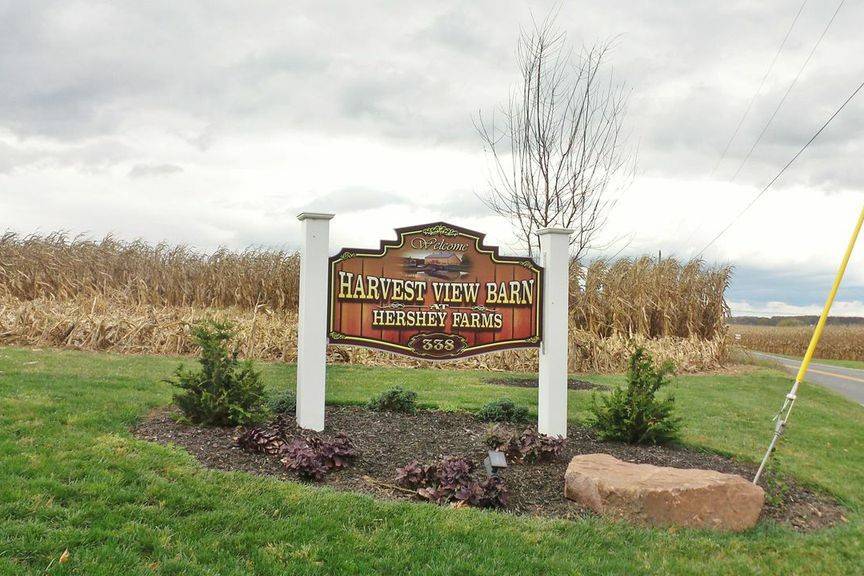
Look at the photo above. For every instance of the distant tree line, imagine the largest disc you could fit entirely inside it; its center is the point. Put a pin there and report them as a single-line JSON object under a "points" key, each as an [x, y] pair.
{"points": [[794, 320]]}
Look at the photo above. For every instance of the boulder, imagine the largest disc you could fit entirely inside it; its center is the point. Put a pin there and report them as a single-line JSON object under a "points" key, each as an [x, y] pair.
{"points": [[661, 496]]}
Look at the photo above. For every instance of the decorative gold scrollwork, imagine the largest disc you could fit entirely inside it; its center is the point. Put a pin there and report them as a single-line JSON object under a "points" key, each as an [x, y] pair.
{"points": [[439, 229]]}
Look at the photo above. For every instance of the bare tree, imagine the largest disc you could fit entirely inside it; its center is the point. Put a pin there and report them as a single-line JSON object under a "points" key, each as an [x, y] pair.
{"points": [[561, 145]]}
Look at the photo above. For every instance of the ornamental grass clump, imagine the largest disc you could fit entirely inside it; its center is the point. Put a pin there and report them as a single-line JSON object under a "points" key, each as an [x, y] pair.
{"points": [[395, 399], [225, 392], [282, 402], [503, 410], [633, 413]]}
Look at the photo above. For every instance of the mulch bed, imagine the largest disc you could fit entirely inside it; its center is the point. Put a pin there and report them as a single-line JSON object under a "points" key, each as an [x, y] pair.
{"points": [[390, 440], [572, 383]]}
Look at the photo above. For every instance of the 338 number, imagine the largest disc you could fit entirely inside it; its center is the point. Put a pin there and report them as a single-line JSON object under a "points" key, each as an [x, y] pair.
{"points": [[437, 344]]}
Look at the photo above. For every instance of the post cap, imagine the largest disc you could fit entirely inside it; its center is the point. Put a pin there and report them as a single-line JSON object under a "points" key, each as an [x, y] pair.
{"points": [[315, 216], [543, 231]]}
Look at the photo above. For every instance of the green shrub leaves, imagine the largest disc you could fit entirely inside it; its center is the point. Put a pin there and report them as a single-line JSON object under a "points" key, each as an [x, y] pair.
{"points": [[395, 399], [282, 402], [225, 392], [633, 413], [503, 410]]}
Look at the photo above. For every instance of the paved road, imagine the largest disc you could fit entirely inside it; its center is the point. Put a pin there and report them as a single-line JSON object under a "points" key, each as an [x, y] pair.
{"points": [[847, 381]]}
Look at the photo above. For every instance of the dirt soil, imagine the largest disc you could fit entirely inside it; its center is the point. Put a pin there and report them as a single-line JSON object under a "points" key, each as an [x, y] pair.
{"points": [[572, 383], [733, 369], [390, 440]]}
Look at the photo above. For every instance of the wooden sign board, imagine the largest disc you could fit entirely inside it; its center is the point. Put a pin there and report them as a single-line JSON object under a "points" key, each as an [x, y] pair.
{"points": [[436, 292]]}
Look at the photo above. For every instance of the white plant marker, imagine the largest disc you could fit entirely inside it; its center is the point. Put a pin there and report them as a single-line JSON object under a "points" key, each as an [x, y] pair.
{"points": [[312, 321], [552, 394]]}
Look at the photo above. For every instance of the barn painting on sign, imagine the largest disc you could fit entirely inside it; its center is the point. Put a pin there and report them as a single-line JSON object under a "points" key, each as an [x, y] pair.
{"points": [[436, 292]]}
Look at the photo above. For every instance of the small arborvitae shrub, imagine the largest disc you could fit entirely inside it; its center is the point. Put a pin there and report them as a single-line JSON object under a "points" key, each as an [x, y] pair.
{"points": [[451, 480], [503, 410], [632, 413], [395, 400], [313, 457], [529, 446], [225, 392], [282, 402]]}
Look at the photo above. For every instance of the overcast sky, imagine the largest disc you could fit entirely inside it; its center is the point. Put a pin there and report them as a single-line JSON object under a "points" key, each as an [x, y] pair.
{"points": [[215, 123]]}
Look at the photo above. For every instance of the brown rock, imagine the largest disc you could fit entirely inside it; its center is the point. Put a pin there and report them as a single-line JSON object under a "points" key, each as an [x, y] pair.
{"points": [[661, 496]]}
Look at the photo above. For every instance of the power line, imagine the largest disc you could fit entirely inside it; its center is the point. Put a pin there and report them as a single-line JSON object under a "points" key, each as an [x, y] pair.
{"points": [[786, 94], [780, 173], [759, 89], [756, 93]]}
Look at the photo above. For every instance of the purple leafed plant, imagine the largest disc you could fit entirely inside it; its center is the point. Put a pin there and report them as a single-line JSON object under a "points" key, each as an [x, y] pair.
{"points": [[337, 453], [454, 472], [312, 457], [263, 440], [529, 446], [450, 480], [414, 475], [305, 460], [490, 493]]}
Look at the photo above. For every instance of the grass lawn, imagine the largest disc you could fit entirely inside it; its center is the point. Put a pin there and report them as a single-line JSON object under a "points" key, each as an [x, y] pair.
{"points": [[844, 363], [71, 476], [857, 364]]}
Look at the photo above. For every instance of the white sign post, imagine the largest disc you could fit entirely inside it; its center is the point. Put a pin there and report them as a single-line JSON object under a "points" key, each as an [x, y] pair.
{"points": [[552, 395], [312, 321]]}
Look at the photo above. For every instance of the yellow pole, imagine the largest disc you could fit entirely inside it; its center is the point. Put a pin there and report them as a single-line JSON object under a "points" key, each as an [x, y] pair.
{"points": [[783, 414], [820, 326]]}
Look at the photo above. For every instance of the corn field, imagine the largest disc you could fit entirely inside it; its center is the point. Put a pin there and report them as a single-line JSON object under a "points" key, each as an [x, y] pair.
{"points": [[59, 268], [650, 298], [837, 342], [139, 298], [102, 324]]}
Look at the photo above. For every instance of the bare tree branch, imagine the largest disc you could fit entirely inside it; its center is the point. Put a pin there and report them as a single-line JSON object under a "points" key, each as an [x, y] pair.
{"points": [[559, 148]]}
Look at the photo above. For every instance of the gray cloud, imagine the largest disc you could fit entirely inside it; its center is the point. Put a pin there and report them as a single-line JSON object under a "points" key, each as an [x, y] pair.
{"points": [[353, 199], [89, 157], [417, 72], [11, 158], [463, 203], [151, 170]]}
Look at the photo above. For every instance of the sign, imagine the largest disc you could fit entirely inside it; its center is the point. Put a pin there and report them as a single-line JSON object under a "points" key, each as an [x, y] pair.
{"points": [[436, 292]]}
